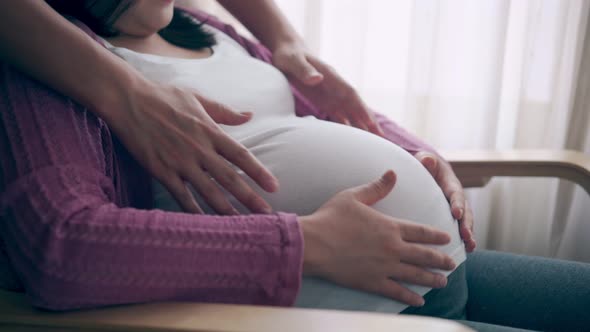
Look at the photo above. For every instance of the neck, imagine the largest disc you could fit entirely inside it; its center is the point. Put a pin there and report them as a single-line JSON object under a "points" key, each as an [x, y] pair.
{"points": [[138, 43]]}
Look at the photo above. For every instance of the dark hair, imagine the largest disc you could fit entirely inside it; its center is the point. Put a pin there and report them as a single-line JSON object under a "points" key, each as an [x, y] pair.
{"points": [[100, 15]]}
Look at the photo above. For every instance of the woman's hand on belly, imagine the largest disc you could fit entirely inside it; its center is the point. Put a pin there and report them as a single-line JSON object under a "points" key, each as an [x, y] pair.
{"points": [[352, 244], [443, 174]]}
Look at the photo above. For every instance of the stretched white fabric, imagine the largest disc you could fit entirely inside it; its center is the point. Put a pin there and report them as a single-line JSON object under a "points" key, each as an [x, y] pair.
{"points": [[312, 159], [485, 74]]}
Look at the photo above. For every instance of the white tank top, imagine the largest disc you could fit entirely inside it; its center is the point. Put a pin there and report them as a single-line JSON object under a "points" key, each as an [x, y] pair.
{"points": [[312, 159], [230, 75]]}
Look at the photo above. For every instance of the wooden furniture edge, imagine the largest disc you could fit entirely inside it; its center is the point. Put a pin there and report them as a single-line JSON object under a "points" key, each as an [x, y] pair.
{"points": [[474, 168], [16, 313]]}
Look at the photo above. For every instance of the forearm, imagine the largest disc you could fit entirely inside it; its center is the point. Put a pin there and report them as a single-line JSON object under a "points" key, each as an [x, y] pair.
{"points": [[403, 138], [54, 51], [265, 20], [275, 29], [104, 255], [72, 233]]}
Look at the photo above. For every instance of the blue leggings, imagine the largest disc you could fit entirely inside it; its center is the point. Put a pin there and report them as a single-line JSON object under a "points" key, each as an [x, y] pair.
{"points": [[491, 291]]}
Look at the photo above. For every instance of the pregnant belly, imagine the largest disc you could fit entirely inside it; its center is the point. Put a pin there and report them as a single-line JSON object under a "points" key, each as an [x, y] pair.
{"points": [[314, 160]]}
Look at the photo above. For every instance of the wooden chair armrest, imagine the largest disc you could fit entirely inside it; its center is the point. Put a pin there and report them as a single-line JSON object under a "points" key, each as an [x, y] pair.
{"points": [[475, 168], [17, 315]]}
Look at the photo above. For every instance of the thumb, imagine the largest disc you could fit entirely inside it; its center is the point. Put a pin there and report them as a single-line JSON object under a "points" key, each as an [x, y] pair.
{"points": [[429, 161], [224, 115], [375, 191]]}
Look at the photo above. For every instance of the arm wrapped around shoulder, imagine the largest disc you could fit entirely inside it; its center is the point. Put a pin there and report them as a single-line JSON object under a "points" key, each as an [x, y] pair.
{"points": [[74, 233]]}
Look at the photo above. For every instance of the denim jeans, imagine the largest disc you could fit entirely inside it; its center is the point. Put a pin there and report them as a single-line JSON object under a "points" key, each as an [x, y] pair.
{"points": [[491, 291]]}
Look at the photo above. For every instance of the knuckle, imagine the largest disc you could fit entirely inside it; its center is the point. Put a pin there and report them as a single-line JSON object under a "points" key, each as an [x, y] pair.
{"points": [[194, 125], [241, 154], [223, 207], [212, 130], [418, 275], [206, 188], [431, 279], [251, 199], [229, 179], [391, 248], [349, 193], [174, 161], [395, 229], [432, 257], [407, 297], [217, 200], [423, 232], [458, 199], [292, 56]]}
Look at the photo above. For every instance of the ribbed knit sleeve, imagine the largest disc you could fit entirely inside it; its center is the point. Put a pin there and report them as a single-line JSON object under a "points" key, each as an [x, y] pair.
{"points": [[75, 241], [401, 137]]}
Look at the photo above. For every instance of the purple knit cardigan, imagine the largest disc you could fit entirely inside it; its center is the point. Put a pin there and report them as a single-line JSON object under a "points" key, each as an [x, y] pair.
{"points": [[76, 225]]}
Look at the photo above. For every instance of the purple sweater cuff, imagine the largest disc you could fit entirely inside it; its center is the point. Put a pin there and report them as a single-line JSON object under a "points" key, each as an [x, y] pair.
{"points": [[290, 276]]}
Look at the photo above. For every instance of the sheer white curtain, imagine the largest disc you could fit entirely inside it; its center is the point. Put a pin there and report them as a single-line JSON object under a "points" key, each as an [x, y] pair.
{"points": [[464, 74]]}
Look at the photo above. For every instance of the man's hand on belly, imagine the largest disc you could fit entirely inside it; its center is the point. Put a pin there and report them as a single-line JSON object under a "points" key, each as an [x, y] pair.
{"points": [[324, 87], [443, 173]]}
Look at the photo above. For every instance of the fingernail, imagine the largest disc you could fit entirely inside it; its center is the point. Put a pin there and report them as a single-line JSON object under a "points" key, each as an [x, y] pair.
{"points": [[246, 113], [313, 79], [389, 176], [442, 281], [428, 163], [313, 74], [266, 209], [451, 265], [457, 213], [420, 303], [271, 184]]}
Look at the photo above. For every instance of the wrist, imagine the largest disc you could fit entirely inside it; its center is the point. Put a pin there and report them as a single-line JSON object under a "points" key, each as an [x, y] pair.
{"points": [[286, 41], [115, 100], [310, 246]]}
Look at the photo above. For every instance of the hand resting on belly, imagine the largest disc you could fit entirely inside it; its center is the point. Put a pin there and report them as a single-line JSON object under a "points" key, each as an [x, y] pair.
{"points": [[406, 233]]}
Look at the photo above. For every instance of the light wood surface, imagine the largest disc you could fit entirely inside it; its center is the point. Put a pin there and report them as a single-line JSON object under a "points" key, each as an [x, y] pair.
{"points": [[17, 315], [475, 168]]}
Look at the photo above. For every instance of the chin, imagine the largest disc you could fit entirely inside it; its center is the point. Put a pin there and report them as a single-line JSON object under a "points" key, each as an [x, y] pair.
{"points": [[159, 16], [146, 17], [159, 22]]}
